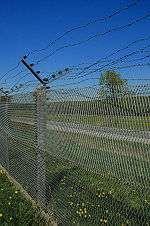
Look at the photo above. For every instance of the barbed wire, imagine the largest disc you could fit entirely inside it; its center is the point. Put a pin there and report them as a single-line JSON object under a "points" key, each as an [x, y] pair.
{"points": [[117, 67], [117, 51], [29, 83], [16, 83], [60, 74], [108, 17], [23, 86], [12, 69], [114, 61], [89, 79], [118, 28], [76, 67], [105, 18]]}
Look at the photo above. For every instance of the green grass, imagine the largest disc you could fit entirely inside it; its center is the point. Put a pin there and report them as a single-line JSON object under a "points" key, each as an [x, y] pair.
{"points": [[122, 167], [84, 198], [110, 185], [15, 209], [126, 122], [120, 122]]}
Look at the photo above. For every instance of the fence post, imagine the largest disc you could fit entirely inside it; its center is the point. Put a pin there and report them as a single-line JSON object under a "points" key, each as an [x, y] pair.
{"points": [[5, 130], [41, 143]]}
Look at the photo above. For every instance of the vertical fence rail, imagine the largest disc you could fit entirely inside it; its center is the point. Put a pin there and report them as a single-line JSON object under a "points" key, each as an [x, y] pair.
{"points": [[41, 142], [5, 130], [7, 103]]}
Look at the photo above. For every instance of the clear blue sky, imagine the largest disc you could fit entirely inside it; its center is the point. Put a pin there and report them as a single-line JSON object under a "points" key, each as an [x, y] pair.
{"points": [[32, 24]]}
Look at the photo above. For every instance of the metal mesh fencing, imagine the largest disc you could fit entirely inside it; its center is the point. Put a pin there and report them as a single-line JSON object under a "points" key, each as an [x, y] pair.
{"points": [[21, 142], [83, 153], [98, 160]]}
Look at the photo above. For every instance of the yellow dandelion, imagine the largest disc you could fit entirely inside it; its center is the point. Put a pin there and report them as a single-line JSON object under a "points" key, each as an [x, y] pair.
{"points": [[101, 220], [9, 203], [2, 189], [16, 192], [1, 214], [1, 171], [105, 221]]}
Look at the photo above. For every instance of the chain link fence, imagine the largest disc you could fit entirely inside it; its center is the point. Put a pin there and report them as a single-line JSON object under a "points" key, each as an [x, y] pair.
{"points": [[83, 154]]}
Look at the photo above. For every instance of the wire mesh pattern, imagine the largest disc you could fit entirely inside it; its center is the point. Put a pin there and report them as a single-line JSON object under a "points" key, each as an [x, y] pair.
{"points": [[82, 153]]}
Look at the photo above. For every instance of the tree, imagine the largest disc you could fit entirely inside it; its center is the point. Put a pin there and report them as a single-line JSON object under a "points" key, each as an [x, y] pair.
{"points": [[112, 85]]}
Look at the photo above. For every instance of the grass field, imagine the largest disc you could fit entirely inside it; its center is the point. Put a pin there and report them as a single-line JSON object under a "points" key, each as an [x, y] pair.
{"points": [[15, 209], [120, 122], [94, 181], [126, 122], [84, 198]]}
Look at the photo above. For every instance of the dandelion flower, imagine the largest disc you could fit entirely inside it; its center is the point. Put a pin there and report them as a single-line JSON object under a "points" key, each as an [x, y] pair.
{"points": [[1, 214], [16, 192], [9, 203], [1, 172]]}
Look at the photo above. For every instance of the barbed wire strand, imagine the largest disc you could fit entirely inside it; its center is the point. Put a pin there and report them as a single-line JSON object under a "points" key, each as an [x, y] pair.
{"points": [[115, 29], [105, 18], [12, 69]]}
